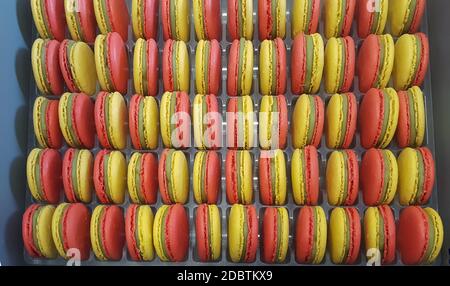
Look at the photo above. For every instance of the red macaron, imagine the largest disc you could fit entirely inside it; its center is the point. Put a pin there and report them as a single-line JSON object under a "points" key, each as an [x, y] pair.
{"points": [[212, 77], [33, 236], [146, 77], [145, 178], [84, 19], [212, 25], [268, 18], [46, 123], [53, 80], [275, 235], [209, 172], [74, 171], [148, 19], [115, 17], [53, 20]]}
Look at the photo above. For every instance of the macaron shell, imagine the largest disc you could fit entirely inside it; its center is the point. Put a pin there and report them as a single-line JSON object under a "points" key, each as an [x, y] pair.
{"points": [[212, 64], [269, 51], [271, 25], [50, 21], [340, 132], [240, 26], [211, 178], [148, 78], [149, 119], [299, 21], [46, 123], [342, 178], [272, 177], [175, 14], [117, 15], [208, 232], [242, 159], [178, 184], [411, 116], [240, 83], [240, 125], [344, 222], [305, 176], [179, 79], [208, 26], [268, 124], [399, 18], [275, 235], [303, 116], [80, 17], [372, 17], [77, 183], [242, 233], [310, 235], [338, 19], [207, 122], [139, 225], [339, 58], [149, 15]]}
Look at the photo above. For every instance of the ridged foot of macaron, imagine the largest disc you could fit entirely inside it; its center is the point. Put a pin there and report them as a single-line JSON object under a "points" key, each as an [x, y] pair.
{"points": [[144, 19], [416, 175], [338, 17], [372, 17], [411, 118], [173, 177], [142, 178], [242, 233], [110, 119], [37, 231], [271, 19], [378, 117], [379, 177], [275, 235], [240, 118], [44, 175], [339, 65], [379, 234], [46, 123], [310, 235], [77, 171], [305, 176], [240, 19], [111, 62], [272, 67], [239, 179], [207, 24], [107, 232], [70, 230], [208, 233], [272, 178], [412, 54], [139, 232], [175, 20], [341, 120], [240, 68], [305, 17], [273, 122], [175, 66], [208, 67], [143, 122], [342, 178], [307, 121], [112, 16], [207, 122], [175, 120], [80, 17], [405, 16], [76, 120], [110, 171], [171, 233], [344, 236], [146, 67], [206, 177], [49, 19], [420, 235]]}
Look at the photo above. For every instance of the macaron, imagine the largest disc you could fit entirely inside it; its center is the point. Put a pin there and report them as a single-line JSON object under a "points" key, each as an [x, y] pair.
{"points": [[207, 122], [344, 235], [307, 121], [76, 120], [416, 175], [371, 17], [273, 122], [145, 67], [272, 67], [173, 177], [412, 54], [107, 232], [239, 178], [208, 67], [80, 18], [378, 117], [44, 175], [46, 69], [342, 178], [77, 171], [111, 62], [305, 176], [77, 64], [307, 60], [240, 67], [240, 19], [112, 16], [420, 235], [275, 235], [272, 178], [310, 235], [379, 177], [206, 176], [271, 19], [405, 16], [37, 231], [411, 118], [175, 20], [49, 19], [110, 118], [342, 110], [144, 19], [171, 233], [208, 233], [242, 233], [339, 65], [338, 17], [379, 234], [142, 178], [175, 119], [240, 118], [46, 123], [207, 22], [305, 17], [139, 232], [175, 66], [110, 171], [70, 230], [143, 121], [375, 62]]}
